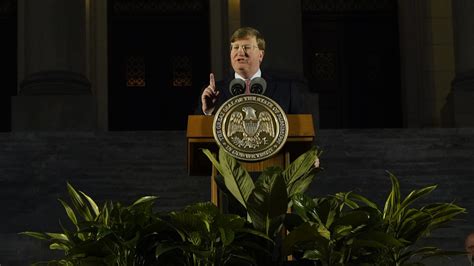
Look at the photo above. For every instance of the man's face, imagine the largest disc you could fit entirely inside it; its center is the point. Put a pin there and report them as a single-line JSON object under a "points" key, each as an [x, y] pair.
{"points": [[470, 244], [245, 56]]}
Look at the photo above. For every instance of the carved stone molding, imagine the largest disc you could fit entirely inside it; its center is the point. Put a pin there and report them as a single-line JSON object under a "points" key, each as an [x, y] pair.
{"points": [[55, 83]]}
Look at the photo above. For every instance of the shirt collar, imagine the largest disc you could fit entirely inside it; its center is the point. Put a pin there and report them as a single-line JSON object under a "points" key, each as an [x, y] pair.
{"points": [[256, 75]]}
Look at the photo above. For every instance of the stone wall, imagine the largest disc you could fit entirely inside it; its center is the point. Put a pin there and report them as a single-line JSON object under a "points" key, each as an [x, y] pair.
{"points": [[122, 166]]}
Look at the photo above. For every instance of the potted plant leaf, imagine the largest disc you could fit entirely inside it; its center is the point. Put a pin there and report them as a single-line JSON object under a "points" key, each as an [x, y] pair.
{"points": [[266, 200]]}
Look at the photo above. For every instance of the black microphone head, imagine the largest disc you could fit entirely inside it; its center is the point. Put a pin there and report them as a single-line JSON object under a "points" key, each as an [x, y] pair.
{"points": [[258, 85], [236, 87]]}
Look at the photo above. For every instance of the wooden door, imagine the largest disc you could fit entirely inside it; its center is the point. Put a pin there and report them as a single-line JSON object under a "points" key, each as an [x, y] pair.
{"points": [[351, 59], [158, 62]]}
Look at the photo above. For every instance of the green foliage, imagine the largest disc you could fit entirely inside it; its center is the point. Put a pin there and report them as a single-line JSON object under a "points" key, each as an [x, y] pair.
{"points": [[135, 235], [267, 199], [335, 230], [409, 224], [349, 229], [208, 237], [340, 229], [101, 236]]}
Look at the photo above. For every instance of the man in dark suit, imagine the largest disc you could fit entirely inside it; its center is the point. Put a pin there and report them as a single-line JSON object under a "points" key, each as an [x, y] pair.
{"points": [[247, 49]]}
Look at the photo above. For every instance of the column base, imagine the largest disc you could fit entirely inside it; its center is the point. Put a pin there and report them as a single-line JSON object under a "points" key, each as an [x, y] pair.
{"points": [[54, 113], [54, 101], [459, 109]]}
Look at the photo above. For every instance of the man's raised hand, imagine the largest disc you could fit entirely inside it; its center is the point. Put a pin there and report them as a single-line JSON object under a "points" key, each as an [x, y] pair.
{"points": [[209, 96]]}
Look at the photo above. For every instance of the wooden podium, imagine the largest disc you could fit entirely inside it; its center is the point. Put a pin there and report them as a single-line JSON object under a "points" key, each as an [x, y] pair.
{"points": [[199, 135]]}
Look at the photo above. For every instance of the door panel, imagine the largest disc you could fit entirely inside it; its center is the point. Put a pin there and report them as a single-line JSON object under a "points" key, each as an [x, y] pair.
{"points": [[351, 59], [158, 66]]}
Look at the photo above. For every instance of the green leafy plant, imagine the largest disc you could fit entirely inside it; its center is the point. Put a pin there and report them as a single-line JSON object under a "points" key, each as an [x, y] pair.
{"points": [[349, 229], [410, 224], [135, 235], [208, 237], [101, 236], [267, 199], [336, 230], [340, 229]]}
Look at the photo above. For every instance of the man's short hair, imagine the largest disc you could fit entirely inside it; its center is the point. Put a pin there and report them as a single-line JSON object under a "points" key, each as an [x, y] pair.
{"points": [[244, 32]]}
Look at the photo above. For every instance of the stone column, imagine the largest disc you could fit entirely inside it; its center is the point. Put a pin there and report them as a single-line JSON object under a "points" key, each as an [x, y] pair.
{"points": [[54, 93], [459, 110], [412, 32]]}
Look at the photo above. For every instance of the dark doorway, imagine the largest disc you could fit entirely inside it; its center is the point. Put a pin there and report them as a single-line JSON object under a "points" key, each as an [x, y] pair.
{"points": [[158, 62], [8, 64], [352, 60]]}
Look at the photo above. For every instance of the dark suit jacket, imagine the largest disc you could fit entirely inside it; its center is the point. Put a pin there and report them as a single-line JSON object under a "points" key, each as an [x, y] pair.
{"points": [[288, 93]]}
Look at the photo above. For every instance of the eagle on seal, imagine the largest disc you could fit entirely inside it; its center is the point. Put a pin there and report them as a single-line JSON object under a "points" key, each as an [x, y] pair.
{"points": [[250, 126]]}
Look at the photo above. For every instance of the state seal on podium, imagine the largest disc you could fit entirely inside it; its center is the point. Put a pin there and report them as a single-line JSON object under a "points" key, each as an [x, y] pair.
{"points": [[250, 127]]}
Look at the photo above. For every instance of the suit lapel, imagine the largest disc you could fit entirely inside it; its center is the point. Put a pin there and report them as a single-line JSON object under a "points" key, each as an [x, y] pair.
{"points": [[271, 86]]}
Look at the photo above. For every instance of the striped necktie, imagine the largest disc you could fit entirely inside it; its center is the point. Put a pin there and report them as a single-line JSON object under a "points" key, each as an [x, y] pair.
{"points": [[247, 86]]}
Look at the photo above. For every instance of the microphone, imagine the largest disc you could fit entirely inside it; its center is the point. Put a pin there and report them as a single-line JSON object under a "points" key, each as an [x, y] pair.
{"points": [[258, 85], [236, 87]]}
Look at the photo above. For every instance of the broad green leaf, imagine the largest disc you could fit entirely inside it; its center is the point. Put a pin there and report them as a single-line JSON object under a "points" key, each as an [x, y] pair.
{"points": [[58, 236], [70, 213], [78, 203], [213, 160], [227, 236], [144, 200], [345, 200], [37, 235], [236, 178], [340, 231], [299, 167], [301, 184], [203, 207], [58, 246], [268, 201], [105, 215], [413, 196], [324, 231], [94, 206], [230, 221], [393, 201], [363, 199], [327, 210], [189, 223], [303, 205], [239, 182], [303, 234]]}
